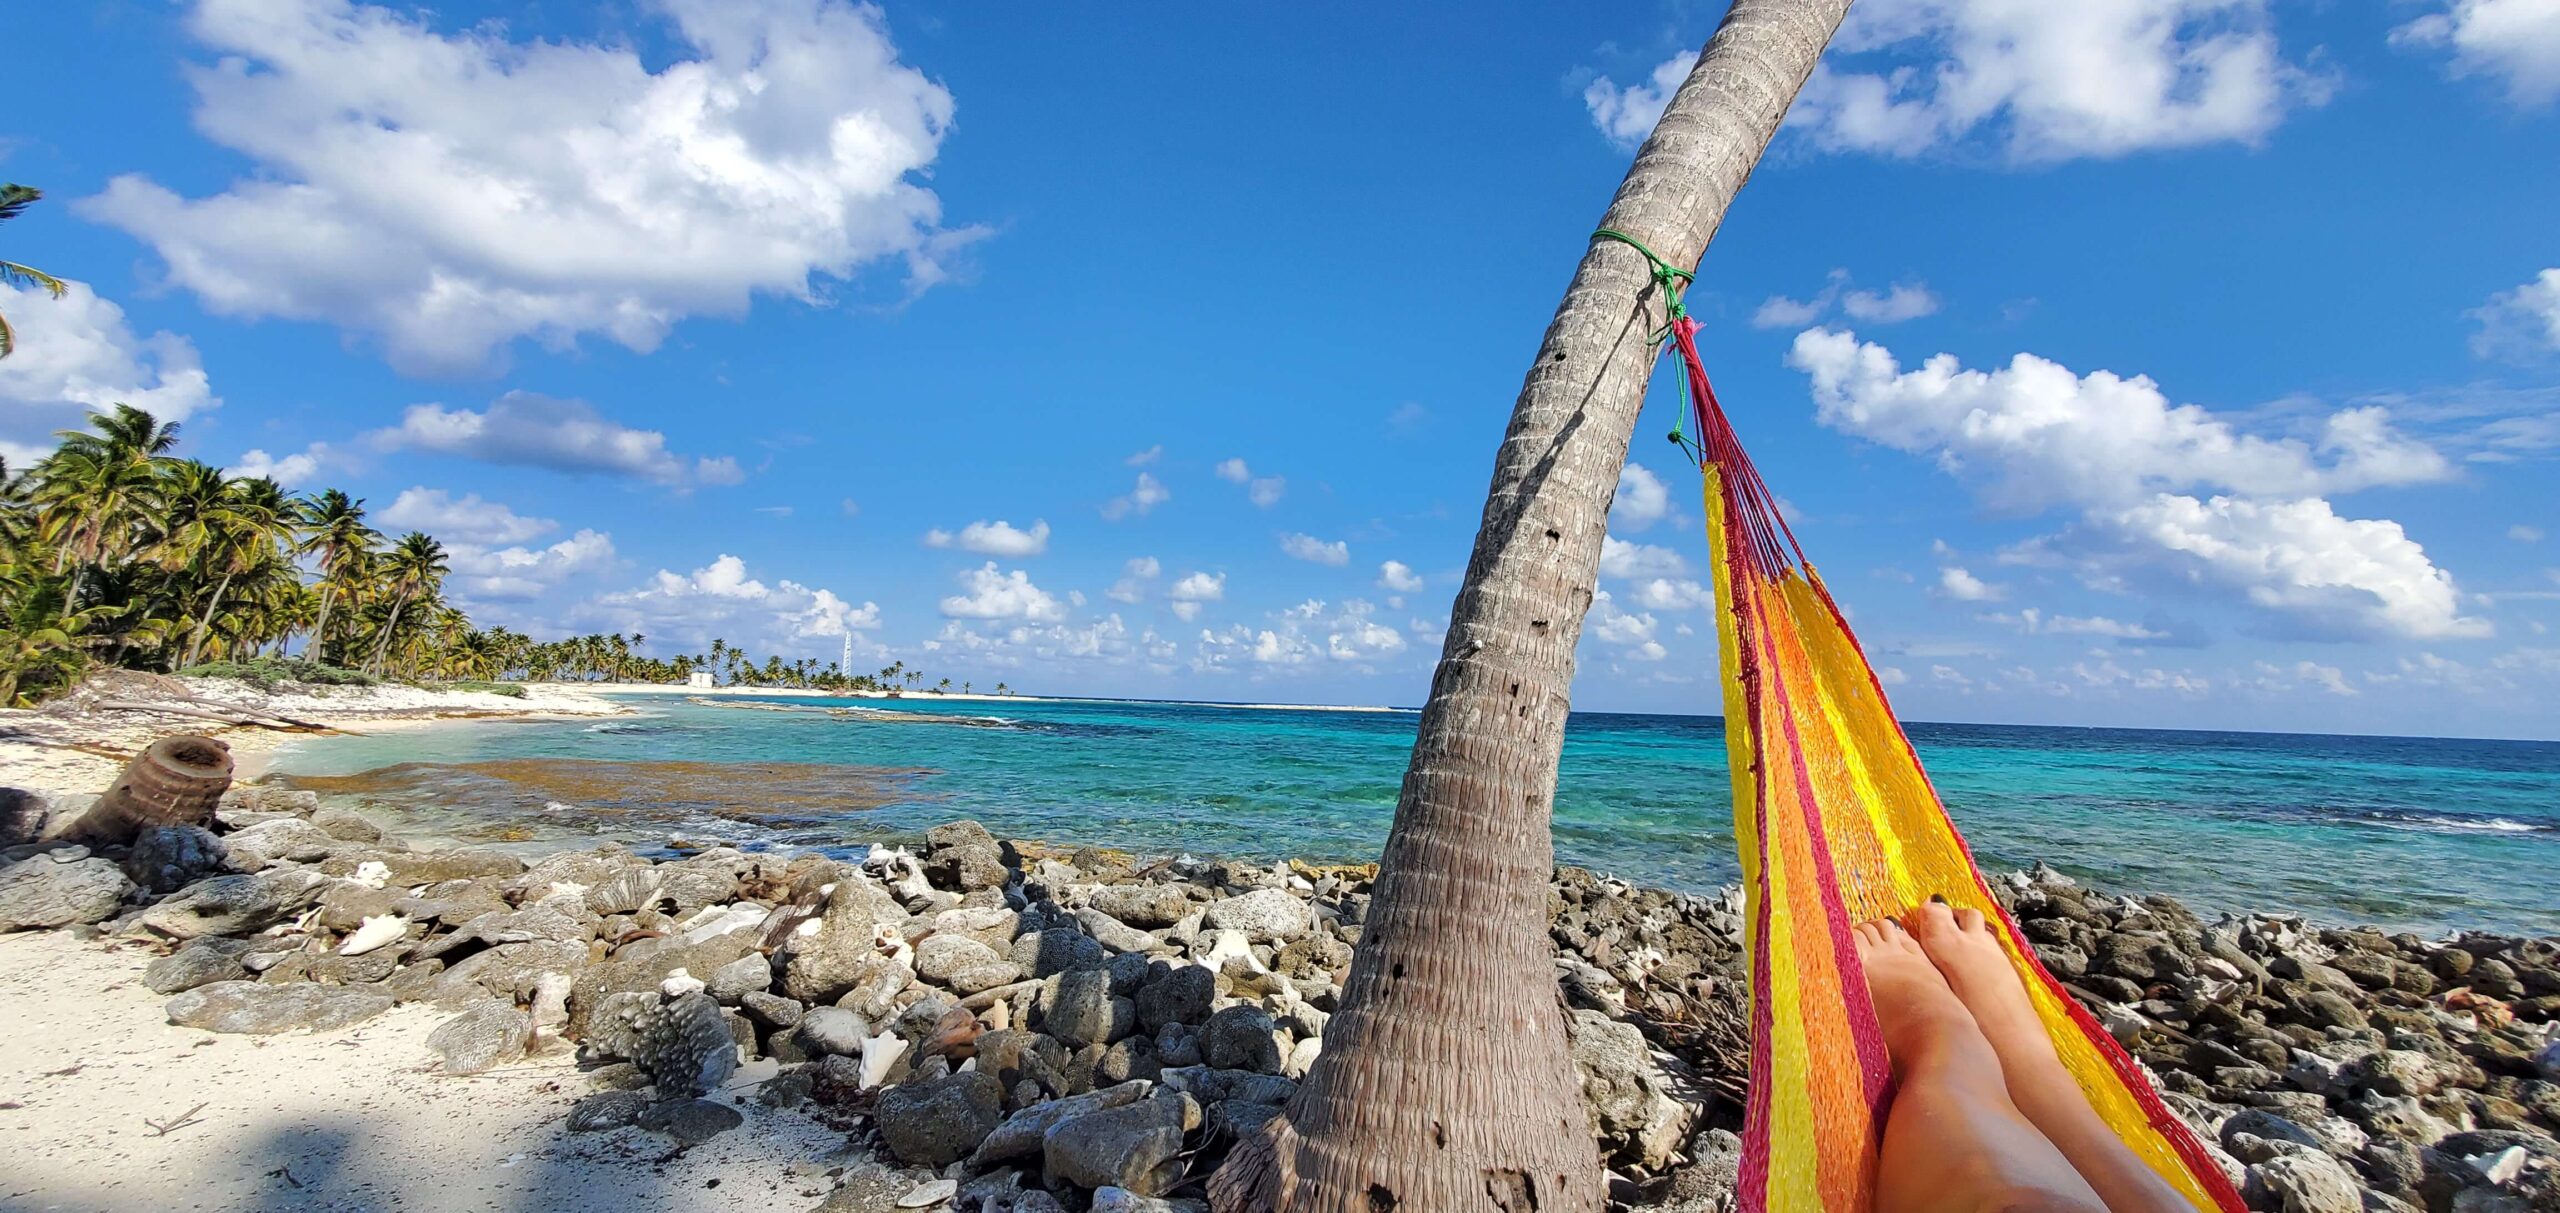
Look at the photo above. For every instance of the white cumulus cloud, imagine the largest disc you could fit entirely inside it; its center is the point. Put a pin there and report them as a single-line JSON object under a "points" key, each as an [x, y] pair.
{"points": [[1398, 577], [77, 355], [464, 519], [2522, 323], [1956, 583], [1131, 587], [448, 193], [1309, 548], [721, 600], [1893, 305], [514, 573], [524, 429], [1622, 560], [1149, 493], [997, 538], [2047, 82], [992, 594], [1192, 589], [1641, 500], [2516, 41], [293, 471]]}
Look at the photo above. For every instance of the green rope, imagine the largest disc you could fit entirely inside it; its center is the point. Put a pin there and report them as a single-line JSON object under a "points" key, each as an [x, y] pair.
{"points": [[1673, 282]]}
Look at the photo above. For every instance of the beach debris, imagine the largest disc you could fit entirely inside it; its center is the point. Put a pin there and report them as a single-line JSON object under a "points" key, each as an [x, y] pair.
{"points": [[168, 1125], [927, 1195], [174, 781], [373, 933], [372, 874]]}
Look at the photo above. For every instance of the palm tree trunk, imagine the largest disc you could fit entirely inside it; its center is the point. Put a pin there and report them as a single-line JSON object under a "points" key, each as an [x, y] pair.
{"points": [[318, 649], [382, 650], [1445, 1082], [195, 640]]}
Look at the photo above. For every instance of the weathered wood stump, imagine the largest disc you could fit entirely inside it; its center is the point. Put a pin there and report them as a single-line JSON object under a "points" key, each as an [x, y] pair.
{"points": [[176, 781]]}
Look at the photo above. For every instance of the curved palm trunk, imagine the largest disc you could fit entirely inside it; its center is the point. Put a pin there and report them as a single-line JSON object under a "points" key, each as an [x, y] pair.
{"points": [[1445, 1081], [382, 651], [319, 647], [195, 640]]}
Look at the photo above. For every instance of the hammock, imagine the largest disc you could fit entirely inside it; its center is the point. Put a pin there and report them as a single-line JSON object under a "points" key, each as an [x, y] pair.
{"points": [[1838, 825]]}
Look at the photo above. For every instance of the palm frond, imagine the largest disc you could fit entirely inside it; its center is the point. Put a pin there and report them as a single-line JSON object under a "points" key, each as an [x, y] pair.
{"points": [[15, 274], [15, 198]]}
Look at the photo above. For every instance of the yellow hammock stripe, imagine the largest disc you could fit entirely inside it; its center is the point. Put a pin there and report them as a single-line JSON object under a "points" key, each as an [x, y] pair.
{"points": [[1838, 824]]}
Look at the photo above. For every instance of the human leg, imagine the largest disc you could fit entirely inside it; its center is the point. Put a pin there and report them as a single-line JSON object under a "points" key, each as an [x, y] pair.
{"points": [[1960, 943], [1953, 1142]]}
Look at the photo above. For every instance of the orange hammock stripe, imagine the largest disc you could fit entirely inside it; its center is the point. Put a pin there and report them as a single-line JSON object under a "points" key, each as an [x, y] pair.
{"points": [[1837, 823]]}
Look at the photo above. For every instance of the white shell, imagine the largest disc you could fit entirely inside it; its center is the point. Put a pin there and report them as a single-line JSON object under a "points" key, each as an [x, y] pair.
{"points": [[373, 933], [373, 874], [680, 983], [878, 1054]]}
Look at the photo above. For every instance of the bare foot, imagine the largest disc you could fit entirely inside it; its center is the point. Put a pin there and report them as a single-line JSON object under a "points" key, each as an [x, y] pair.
{"points": [[1921, 1017], [1964, 948]]}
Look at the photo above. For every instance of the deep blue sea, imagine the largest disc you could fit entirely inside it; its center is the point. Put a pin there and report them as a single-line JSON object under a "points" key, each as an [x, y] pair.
{"points": [[2427, 834]]}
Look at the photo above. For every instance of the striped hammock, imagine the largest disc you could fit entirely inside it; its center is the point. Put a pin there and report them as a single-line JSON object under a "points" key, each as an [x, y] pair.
{"points": [[1838, 825]]}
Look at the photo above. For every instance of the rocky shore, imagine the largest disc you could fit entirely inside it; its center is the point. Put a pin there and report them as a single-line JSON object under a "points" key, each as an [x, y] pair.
{"points": [[1000, 1026]]}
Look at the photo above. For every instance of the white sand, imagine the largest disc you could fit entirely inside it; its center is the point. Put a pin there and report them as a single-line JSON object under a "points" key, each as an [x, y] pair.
{"points": [[353, 1117], [57, 748]]}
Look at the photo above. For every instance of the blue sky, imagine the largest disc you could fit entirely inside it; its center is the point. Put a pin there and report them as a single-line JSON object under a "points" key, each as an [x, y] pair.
{"points": [[2191, 363]]}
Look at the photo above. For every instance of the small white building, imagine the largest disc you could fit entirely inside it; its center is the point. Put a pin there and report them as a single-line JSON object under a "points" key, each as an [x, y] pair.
{"points": [[698, 678]]}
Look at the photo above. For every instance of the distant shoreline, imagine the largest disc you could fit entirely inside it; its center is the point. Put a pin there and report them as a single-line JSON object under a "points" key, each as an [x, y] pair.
{"points": [[667, 688]]}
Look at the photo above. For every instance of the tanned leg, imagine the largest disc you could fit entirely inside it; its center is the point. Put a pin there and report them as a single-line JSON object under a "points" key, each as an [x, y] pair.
{"points": [[1953, 1143], [1962, 946]]}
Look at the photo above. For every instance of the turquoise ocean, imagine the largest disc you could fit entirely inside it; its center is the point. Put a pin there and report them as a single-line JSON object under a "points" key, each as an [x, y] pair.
{"points": [[2428, 834]]}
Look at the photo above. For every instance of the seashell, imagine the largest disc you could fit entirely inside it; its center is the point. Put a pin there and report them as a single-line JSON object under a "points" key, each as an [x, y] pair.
{"points": [[680, 983], [941, 1190], [633, 888], [878, 1054], [373, 933], [372, 874]]}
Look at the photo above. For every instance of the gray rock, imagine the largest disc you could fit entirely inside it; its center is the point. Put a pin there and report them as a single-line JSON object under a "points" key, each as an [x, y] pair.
{"points": [[868, 1188], [1264, 915], [833, 1032], [941, 1121], [488, 1035], [434, 867], [284, 840], [1021, 1134], [1214, 1086], [940, 956], [606, 1110], [1142, 905], [346, 824], [1134, 1058], [1122, 1200], [772, 1010], [514, 970], [691, 1121], [748, 974], [1079, 1009], [201, 962], [165, 859], [2303, 1181], [1056, 950], [1629, 1099], [1130, 1147], [1182, 995], [1242, 1037], [1714, 1171], [43, 892], [233, 905], [979, 978], [826, 966], [254, 1007], [1114, 934]]}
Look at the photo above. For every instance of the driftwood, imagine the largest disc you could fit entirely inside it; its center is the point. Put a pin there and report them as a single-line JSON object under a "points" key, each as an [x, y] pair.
{"points": [[205, 709], [176, 781]]}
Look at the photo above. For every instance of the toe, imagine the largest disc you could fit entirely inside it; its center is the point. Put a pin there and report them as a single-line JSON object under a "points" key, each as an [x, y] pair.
{"points": [[1970, 920], [1930, 918]]}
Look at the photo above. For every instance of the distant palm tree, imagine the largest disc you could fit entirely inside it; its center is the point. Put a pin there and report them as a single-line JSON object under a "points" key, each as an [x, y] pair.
{"points": [[13, 199], [97, 491], [414, 568], [245, 531], [964, 686], [333, 528]]}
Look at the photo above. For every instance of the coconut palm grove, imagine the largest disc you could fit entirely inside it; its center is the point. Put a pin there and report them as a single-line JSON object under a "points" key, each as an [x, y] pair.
{"points": [[113, 552]]}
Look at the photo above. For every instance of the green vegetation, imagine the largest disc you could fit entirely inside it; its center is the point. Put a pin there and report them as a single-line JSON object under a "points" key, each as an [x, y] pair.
{"points": [[512, 690], [113, 552], [13, 199]]}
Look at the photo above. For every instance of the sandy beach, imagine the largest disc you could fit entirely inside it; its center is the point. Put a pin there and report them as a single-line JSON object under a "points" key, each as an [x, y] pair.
{"points": [[71, 747], [350, 1120]]}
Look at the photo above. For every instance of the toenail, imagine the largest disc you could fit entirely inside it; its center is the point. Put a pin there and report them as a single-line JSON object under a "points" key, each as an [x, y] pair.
{"points": [[1940, 898]]}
